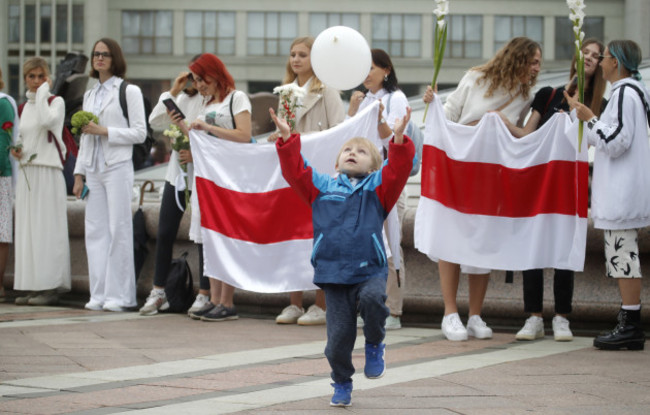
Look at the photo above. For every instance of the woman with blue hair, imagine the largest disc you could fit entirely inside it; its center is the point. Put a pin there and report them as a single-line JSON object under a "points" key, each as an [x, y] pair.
{"points": [[620, 192]]}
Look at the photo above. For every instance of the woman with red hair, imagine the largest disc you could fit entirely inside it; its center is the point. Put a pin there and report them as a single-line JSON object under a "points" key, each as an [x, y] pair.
{"points": [[227, 115]]}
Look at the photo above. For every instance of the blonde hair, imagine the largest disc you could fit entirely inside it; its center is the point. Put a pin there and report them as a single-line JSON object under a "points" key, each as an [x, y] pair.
{"points": [[376, 158], [509, 65], [289, 76], [35, 63]]}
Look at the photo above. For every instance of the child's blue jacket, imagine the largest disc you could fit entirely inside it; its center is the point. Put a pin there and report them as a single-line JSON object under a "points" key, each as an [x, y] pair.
{"points": [[347, 220]]}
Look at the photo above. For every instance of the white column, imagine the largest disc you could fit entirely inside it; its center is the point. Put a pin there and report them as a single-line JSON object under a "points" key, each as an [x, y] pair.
{"points": [[548, 54], [53, 39], [488, 36], [636, 25]]}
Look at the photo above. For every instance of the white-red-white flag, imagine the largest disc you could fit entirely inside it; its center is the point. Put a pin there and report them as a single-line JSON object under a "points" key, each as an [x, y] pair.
{"points": [[493, 201], [257, 233]]}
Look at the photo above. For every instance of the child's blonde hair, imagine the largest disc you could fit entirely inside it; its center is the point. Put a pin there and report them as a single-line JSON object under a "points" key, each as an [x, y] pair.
{"points": [[363, 142]]}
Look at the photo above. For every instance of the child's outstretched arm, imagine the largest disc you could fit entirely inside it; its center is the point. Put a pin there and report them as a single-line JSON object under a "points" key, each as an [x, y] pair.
{"points": [[295, 170], [281, 123], [400, 161], [400, 126]]}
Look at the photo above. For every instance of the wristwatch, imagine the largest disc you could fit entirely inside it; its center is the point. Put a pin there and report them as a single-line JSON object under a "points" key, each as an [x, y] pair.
{"points": [[592, 122]]}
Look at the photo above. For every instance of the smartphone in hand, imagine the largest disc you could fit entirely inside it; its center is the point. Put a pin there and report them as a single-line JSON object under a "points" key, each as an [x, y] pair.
{"points": [[171, 106], [84, 192]]}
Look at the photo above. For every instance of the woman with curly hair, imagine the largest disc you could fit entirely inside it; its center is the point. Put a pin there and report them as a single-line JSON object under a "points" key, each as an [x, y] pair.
{"points": [[502, 84]]}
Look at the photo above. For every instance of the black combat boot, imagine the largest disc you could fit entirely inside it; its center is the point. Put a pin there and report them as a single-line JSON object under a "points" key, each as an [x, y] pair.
{"points": [[627, 334]]}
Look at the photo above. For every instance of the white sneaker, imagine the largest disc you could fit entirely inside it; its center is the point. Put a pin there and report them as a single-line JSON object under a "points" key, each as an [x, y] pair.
{"points": [[199, 302], [114, 308], [290, 315], [314, 316], [533, 329], [561, 330], [157, 300], [94, 305], [476, 327], [453, 328], [360, 322], [393, 323]]}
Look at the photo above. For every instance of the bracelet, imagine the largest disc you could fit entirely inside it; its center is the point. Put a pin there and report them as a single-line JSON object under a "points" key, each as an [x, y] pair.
{"points": [[592, 122]]}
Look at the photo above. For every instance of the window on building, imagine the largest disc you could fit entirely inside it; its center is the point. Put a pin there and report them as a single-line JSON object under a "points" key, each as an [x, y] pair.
{"points": [[62, 23], [212, 32], [564, 37], [397, 34], [46, 23], [147, 32], [271, 34], [13, 23], [321, 21], [507, 27], [61, 26], [464, 36]]}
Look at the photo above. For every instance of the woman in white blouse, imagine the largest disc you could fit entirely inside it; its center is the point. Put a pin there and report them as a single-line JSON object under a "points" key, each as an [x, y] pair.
{"points": [[105, 161], [172, 205], [502, 84], [320, 109], [213, 81], [42, 264]]}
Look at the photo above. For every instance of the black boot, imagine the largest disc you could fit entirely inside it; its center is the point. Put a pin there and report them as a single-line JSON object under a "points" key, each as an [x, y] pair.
{"points": [[627, 334]]}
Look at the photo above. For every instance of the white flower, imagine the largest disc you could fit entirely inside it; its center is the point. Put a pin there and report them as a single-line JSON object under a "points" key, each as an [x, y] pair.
{"points": [[442, 9], [581, 56], [290, 90], [441, 25], [582, 36], [577, 42]]}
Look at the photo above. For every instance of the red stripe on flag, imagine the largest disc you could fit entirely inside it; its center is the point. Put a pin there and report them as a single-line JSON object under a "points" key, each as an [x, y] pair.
{"points": [[262, 218], [557, 187]]}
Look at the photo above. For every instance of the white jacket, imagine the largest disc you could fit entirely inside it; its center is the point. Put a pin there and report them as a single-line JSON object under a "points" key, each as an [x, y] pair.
{"points": [[620, 189], [122, 135]]}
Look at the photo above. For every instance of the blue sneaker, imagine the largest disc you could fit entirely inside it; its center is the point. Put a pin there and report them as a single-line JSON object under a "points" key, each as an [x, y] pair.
{"points": [[342, 394], [375, 365]]}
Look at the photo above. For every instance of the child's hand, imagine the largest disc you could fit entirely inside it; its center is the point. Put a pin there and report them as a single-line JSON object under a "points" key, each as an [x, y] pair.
{"points": [[281, 123], [400, 126]]}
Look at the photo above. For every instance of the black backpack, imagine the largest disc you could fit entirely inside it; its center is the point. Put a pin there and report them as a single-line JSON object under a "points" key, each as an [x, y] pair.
{"points": [[141, 151], [179, 288]]}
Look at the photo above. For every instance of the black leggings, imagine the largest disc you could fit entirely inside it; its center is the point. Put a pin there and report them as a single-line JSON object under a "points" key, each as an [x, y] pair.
{"points": [[534, 290], [168, 224]]}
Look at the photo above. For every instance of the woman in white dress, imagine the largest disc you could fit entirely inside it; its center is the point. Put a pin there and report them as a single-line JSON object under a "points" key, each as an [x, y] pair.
{"points": [[42, 264]]}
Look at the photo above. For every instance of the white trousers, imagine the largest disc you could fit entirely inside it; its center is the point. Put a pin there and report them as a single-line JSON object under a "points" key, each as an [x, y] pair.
{"points": [[109, 236]]}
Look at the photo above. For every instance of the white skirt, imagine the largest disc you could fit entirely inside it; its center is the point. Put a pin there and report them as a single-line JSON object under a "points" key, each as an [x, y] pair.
{"points": [[42, 247], [6, 214]]}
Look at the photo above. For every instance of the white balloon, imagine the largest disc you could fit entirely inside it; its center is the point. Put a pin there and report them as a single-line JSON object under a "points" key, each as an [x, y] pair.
{"points": [[340, 57]]}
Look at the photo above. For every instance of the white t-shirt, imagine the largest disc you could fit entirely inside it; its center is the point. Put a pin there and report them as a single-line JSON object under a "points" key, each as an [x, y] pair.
{"points": [[217, 114]]}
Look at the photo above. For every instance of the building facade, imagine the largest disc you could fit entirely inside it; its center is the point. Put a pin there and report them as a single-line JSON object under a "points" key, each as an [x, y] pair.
{"points": [[252, 37]]}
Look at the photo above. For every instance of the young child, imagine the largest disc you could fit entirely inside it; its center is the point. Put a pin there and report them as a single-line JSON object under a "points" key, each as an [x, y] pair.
{"points": [[349, 260]]}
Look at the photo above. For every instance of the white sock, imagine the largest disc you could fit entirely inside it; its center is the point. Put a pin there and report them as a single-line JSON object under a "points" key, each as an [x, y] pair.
{"points": [[634, 307]]}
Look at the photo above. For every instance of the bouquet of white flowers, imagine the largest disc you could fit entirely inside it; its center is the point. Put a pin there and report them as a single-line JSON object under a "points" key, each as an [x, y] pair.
{"points": [[289, 95], [180, 142]]}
